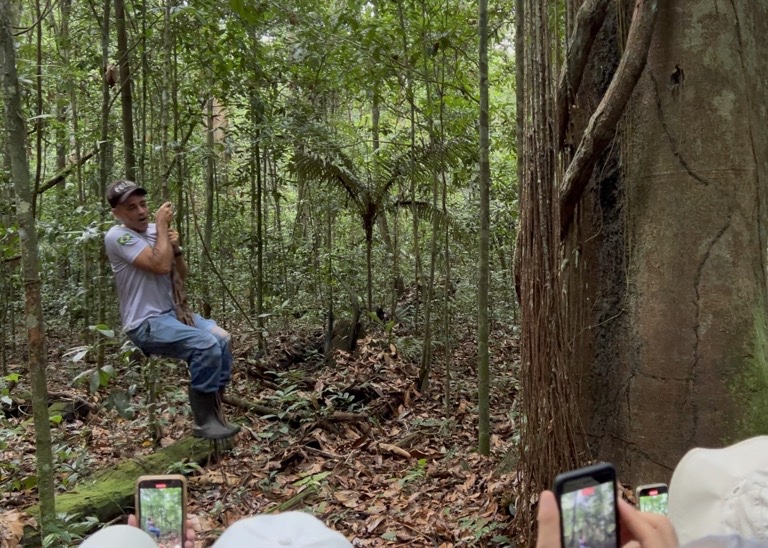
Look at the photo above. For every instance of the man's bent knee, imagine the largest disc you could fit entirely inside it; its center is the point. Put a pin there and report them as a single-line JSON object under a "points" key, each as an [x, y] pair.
{"points": [[220, 333]]}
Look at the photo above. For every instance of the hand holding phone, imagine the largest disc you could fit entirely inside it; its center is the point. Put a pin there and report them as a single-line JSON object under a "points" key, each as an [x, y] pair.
{"points": [[161, 508], [652, 498], [586, 499]]}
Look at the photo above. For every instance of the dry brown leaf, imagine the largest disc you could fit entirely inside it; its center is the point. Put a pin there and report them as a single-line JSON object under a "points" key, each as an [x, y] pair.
{"points": [[213, 477], [469, 482], [389, 493], [372, 525], [394, 449], [11, 528], [346, 496]]}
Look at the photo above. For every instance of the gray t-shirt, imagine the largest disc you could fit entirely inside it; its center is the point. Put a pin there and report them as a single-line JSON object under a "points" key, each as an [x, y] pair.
{"points": [[142, 294]]}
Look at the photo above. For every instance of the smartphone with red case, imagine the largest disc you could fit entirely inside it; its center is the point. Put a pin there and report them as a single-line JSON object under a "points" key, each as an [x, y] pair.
{"points": [[161, 508]]}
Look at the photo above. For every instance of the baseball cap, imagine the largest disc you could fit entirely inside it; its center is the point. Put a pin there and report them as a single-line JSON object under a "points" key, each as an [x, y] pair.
{"points": [[721, 492], [119, 191], [119, 536], [297, 529]]}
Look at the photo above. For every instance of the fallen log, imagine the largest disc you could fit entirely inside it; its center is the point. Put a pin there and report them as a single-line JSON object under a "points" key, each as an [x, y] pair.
{"points": [[68, 406], [255, 407], [110, 492]]}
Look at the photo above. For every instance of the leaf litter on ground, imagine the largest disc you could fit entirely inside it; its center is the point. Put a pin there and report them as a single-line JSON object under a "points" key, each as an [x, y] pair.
{"points": [[353, 442]]}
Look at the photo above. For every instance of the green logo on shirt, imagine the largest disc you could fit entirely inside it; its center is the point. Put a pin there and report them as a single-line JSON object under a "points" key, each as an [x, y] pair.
{"points": [[125, 239]]}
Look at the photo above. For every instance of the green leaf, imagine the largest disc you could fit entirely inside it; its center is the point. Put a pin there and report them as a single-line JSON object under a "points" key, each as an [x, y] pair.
{"points": [[104, 330], [95, 382], [80, 355], [314, 478], [104, 377], [81, 376], [6, 400], [56, 419], [121, 401], [12, 377], [390, 536]]}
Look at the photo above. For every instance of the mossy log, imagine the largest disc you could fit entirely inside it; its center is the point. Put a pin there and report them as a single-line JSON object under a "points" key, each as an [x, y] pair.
{"points": [[108, 493]]}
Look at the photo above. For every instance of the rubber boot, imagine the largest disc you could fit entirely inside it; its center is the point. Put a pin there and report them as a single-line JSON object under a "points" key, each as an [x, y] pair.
{"points": [[220, 413], [207, 424]]}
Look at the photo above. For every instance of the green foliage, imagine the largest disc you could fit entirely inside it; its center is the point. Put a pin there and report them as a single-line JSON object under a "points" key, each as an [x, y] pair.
{"points": [[97, 377], [71, 464], [12, 477], [185, 468], [750, 387], [6, 385], [312, 480], [295, 78], [416, 473], [69, 529], [480, 527]]}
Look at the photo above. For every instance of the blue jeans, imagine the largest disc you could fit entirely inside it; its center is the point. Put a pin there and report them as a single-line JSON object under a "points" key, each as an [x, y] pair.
{"points": [[205, 347]]}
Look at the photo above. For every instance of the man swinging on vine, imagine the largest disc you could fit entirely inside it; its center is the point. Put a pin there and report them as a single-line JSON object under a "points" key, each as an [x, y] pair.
{"points": [[144, 257]]}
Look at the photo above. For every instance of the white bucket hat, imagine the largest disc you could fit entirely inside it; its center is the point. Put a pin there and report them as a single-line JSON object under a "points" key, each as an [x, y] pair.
{"points": [[119, 536], [721, 492], [296, 529]]}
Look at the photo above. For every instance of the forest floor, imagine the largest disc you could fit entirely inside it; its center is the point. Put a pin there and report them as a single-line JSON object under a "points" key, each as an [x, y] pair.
{"points": [[354, 443]]}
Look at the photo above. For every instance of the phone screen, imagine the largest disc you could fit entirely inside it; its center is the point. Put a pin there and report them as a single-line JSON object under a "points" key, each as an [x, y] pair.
{"points": [[587, 499], [161, 510], [653, 500]]}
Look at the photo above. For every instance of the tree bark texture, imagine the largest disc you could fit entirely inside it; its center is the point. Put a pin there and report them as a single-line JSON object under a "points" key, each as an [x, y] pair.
{"points": [[666, 268], [589, 19], [602, 124], [126, 95], [483, 370], [33, 310]]}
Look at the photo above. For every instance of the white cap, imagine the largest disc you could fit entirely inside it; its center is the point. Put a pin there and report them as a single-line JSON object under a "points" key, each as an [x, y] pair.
{"points": [[296, 529], [119, 536], [721, 492]]}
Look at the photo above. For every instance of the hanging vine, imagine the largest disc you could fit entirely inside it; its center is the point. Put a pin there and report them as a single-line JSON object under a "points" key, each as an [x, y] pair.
{"points": [[548, 435]]}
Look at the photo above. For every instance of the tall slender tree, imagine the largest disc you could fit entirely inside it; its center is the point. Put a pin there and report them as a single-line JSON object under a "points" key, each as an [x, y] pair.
{"points": [[126, 93], [33, 310], [483, 374]]}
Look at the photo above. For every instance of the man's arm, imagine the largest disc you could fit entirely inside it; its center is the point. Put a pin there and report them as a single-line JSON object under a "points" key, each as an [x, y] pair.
{"points": [[158, 259]]}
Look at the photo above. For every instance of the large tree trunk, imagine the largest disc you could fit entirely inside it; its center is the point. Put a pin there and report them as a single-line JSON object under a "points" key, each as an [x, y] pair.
{"points": [[667, 267]]}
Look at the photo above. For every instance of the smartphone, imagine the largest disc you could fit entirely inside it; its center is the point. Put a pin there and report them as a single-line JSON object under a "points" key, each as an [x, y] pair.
{"points": [[587, 501], [652, 498], [161, 508]]}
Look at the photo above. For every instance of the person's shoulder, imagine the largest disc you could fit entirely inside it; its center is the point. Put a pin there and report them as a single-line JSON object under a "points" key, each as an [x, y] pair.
{"points": [[121, 236], [113, 231]]}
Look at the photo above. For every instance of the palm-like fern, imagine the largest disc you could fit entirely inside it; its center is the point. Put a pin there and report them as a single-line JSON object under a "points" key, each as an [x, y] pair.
{"points": [[371, 198]]}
